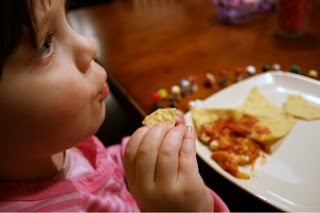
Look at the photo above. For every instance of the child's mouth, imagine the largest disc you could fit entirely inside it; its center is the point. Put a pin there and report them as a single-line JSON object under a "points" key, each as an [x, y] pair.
{"points": [[104, 92]]}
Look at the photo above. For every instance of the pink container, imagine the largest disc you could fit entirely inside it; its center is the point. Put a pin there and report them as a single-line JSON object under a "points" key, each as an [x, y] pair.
{"points": [[237, 11]]}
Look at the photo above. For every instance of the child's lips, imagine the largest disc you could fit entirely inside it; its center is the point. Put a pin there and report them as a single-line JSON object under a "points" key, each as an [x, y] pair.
{"points": [[104, 92]]}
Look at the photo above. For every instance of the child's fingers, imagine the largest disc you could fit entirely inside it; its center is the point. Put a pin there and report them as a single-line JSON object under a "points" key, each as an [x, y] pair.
{"points": [[187, 154], [168, 157], [130, 153], [147, 153]]}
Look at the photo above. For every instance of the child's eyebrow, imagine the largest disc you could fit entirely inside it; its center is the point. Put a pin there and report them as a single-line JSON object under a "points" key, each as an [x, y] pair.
{"points": [[43, 16]]}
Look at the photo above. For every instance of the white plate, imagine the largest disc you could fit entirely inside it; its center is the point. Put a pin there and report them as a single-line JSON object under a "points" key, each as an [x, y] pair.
{"points": [[289, 178]]}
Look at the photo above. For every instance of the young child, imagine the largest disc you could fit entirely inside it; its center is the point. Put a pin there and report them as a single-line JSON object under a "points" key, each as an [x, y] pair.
{"points": [[52, 97]]}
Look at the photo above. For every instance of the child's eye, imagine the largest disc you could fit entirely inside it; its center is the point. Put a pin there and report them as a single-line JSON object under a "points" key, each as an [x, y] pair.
{"points": [[46, 48]]}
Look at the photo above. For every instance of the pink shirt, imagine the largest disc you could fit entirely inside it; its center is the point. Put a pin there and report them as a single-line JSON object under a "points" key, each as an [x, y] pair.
{"points": [[92, 180]]}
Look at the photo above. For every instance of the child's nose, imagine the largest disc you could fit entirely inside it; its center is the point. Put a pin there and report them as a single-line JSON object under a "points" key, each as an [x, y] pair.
{"points": [[85, 52]]}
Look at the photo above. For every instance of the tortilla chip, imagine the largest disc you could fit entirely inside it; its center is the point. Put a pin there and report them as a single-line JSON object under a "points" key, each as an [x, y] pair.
{"points": [[297, 106], [270, 115], [202, 116], [160, 115], [279, 126], [257, 105]]}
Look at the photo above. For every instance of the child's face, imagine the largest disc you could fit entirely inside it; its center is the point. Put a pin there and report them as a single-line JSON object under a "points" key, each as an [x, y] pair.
{"points": [[51, 97]]}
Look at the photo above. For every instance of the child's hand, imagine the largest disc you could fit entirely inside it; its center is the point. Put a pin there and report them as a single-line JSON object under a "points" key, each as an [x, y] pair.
{"points": [[162, 171]]}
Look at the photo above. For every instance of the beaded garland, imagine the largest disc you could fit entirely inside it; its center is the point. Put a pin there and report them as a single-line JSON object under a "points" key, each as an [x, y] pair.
{"points": [[161, 98]]}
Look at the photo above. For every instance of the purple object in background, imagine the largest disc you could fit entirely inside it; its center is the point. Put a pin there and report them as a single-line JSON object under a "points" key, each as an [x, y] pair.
{"points": [[235, 11]]}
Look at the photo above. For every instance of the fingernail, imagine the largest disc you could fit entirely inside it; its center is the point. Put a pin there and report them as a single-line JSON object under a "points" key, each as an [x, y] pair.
{"points": [[189, 128]]}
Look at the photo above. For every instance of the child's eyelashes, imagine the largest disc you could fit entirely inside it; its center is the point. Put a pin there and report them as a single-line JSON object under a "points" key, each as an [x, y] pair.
{"points": [[46, 48]]}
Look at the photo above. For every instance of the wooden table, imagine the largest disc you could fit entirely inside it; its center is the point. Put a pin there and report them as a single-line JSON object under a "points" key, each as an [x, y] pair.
{"points": [[152, 44], [147, 45]]}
